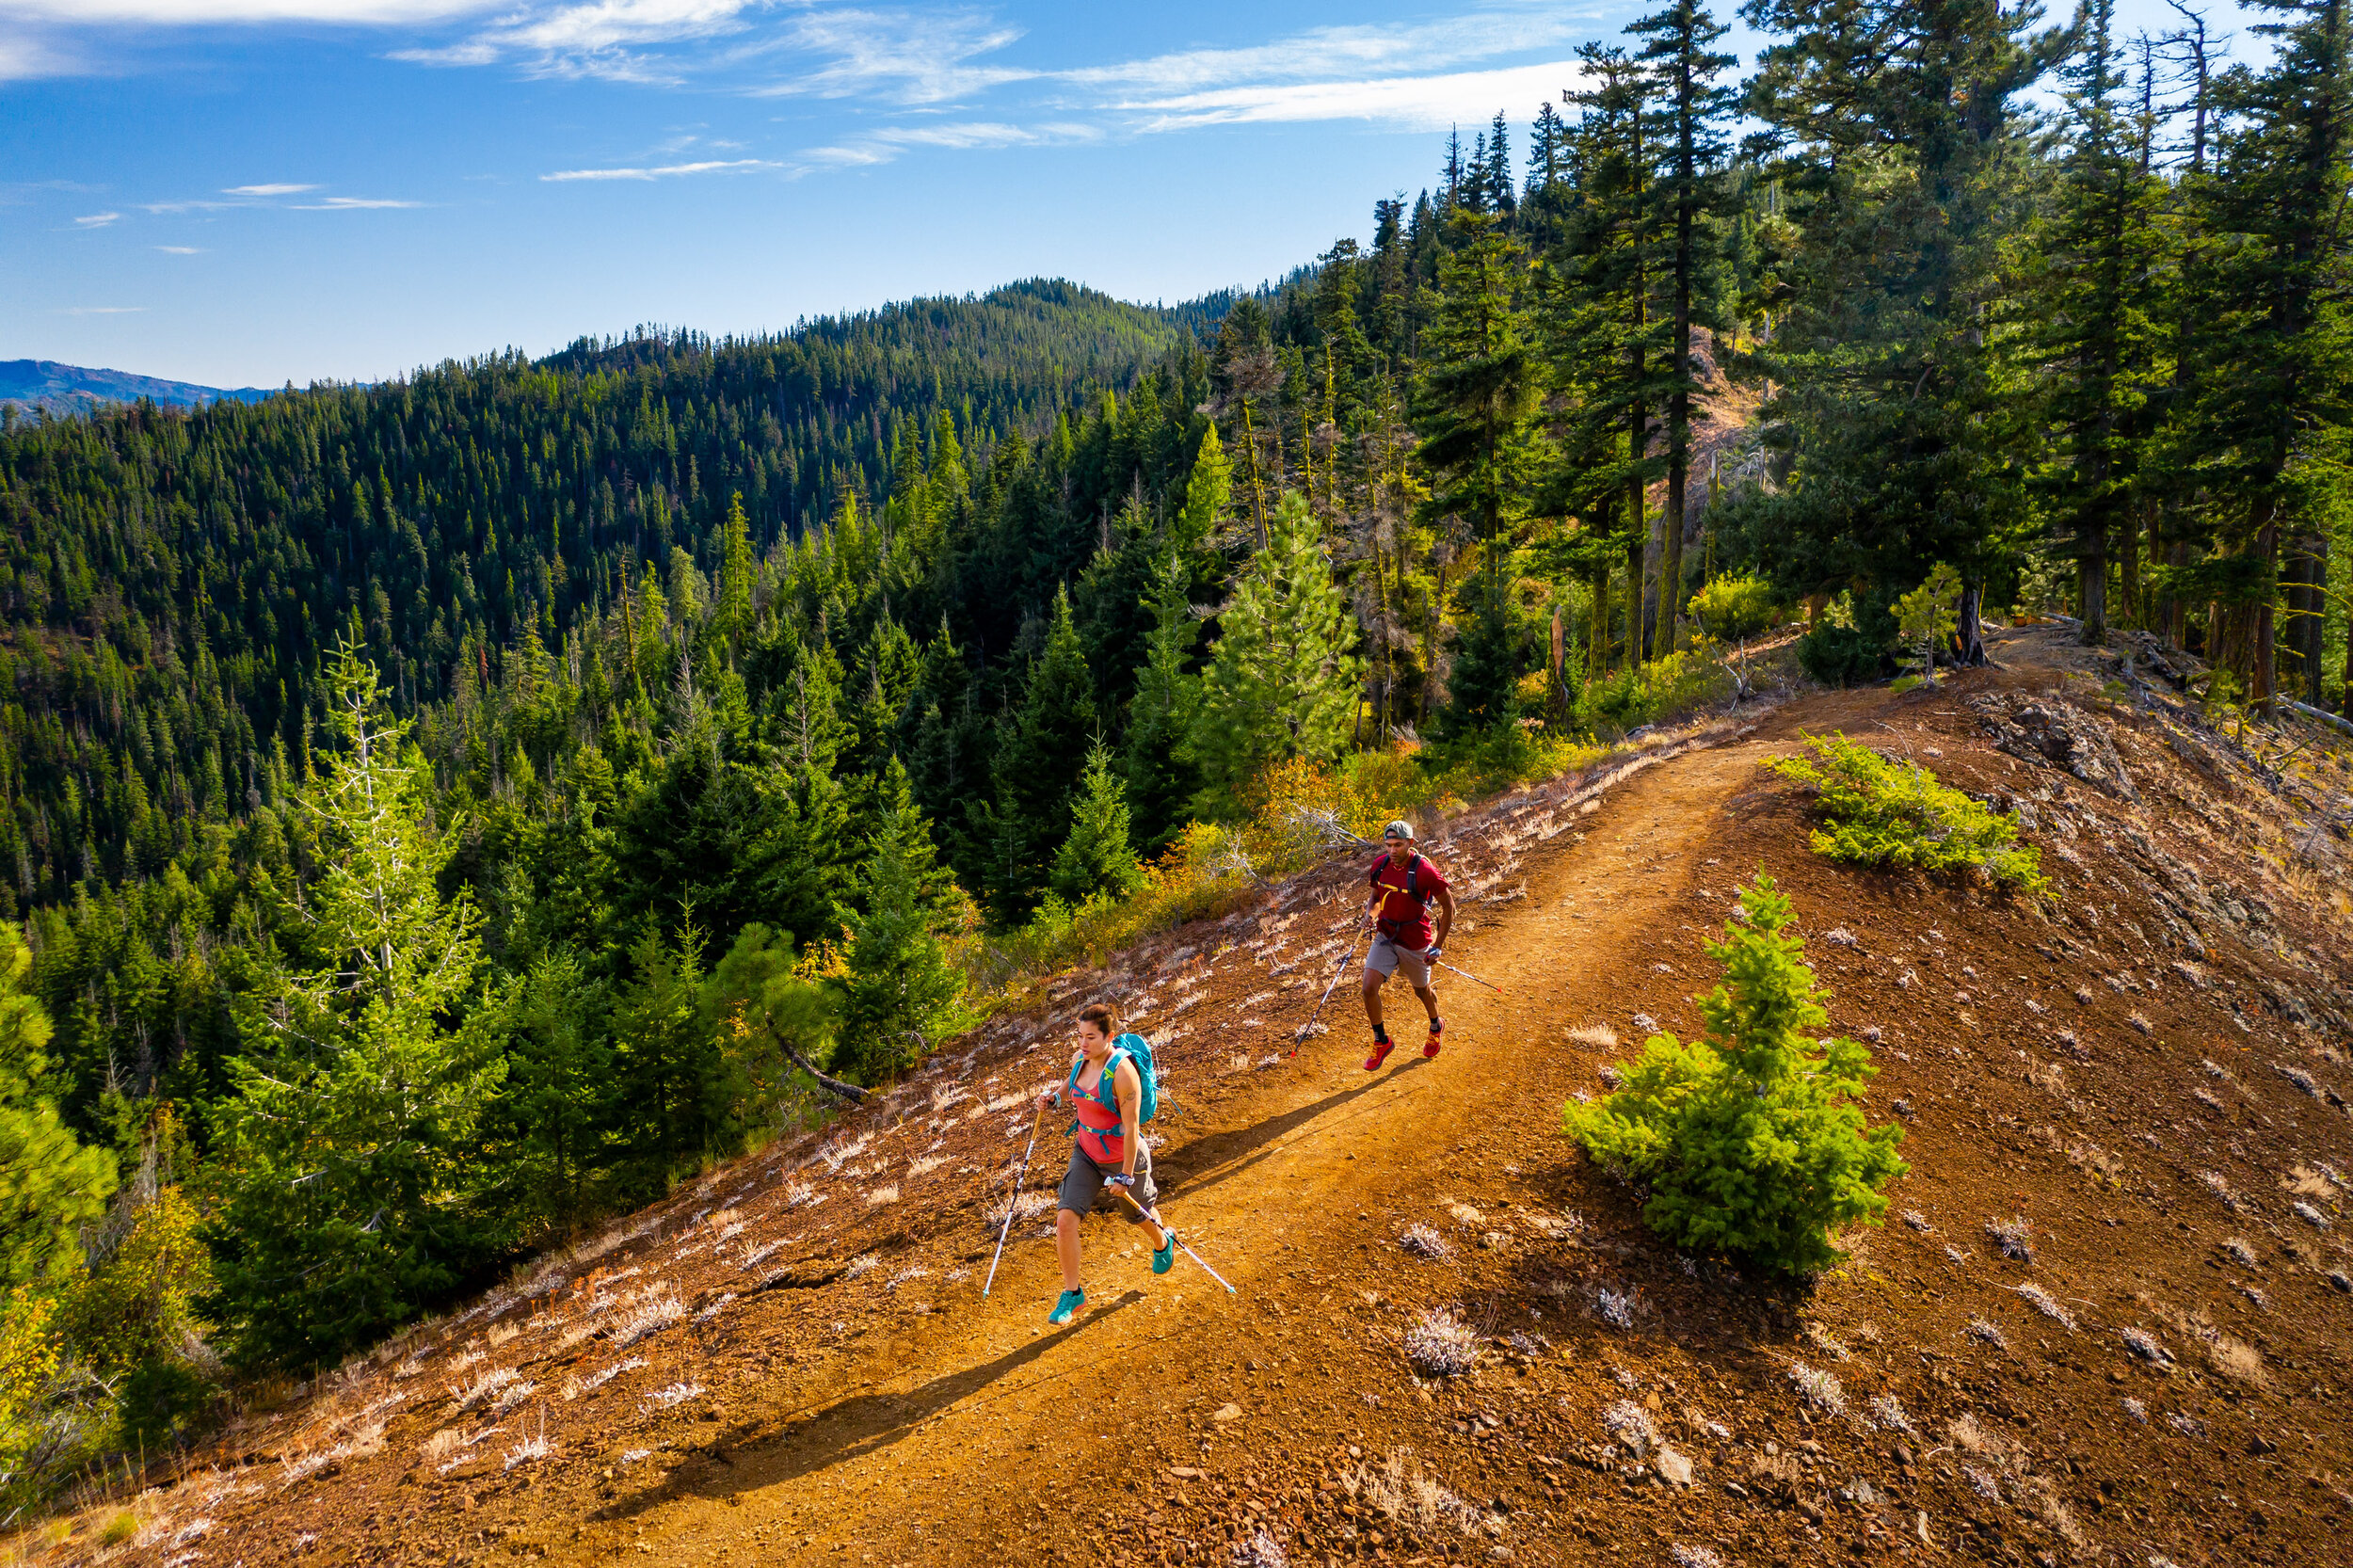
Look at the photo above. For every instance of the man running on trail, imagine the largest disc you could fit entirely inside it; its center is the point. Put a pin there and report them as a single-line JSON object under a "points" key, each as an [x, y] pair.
{"points": [[1404, 884], [1106, 1093]]}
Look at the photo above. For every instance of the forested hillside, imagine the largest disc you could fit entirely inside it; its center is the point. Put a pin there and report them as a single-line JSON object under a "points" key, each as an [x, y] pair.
{"points": [[441, 811]]}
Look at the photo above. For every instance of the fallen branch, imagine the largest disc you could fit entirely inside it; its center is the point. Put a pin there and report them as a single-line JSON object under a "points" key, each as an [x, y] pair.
{"points": [[850, 1092], [2321, 713]]}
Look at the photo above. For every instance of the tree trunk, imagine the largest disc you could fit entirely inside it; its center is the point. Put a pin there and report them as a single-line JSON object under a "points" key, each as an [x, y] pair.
{"points": [[1381, 612], [2345, 705], [1429, 652], [1634, 655], [2166, 613], [2128, 577], [2313, 625], [1678, 400], [1638, 447], [1971, 631], [1257, 491], [1598, 625], [2091, 593], [2267, 671]]}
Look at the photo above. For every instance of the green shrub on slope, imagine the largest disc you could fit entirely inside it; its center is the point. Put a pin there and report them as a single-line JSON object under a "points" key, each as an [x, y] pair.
{"points": [[1733, 607], [1897, 816]]}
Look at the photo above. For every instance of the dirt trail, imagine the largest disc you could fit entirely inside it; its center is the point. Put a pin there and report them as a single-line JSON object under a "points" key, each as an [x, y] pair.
{"points": [[938, 1443], [2147, 1080]]}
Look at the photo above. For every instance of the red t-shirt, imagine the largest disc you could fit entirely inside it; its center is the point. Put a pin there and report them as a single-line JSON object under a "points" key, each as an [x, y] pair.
{"points": [[1404, 919]]}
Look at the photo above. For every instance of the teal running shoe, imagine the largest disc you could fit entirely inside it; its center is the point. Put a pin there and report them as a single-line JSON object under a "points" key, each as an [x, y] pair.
{"points": [[1068, 1306], [1165, 1258]]}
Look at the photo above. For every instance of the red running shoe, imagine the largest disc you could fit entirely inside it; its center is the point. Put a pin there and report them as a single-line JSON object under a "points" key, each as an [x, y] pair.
{"points": [[1429, 1047], [1381, 1049]]}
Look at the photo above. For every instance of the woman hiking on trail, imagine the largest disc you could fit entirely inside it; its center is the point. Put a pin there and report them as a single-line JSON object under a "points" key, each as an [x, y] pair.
{"points": [[1404, 884], [1108, 1095]]}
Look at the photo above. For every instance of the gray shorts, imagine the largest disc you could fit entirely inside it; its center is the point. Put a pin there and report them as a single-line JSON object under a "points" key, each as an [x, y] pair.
{"points": [[1083, 1185], [1385, 956]]}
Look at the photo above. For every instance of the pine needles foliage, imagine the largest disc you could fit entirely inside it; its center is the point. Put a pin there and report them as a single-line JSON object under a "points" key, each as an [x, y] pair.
{"points": [[1751, 1142]]}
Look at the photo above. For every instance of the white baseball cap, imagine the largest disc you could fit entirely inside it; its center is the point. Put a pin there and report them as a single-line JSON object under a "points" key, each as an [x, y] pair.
{"points": [[1398, 829]]}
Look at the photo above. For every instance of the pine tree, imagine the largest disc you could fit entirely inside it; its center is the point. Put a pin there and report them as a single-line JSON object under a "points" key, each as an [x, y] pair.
{"points": [[553, 1110], [343, 1164], [736, 572], [1908, 163], [50, 1185], [2097, 330], [1208, 492], [1692, 112], [1038, 764], [1283, 676], [1099, 856], [898, 984], [1750, 1143], [1602, 347], [1162, 772], [2266, 430], [1478, 383], [669, 1074]]}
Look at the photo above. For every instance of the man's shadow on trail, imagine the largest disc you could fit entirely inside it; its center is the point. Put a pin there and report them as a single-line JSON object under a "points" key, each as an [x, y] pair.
{"points": [[751, 1456], [1227, 1155]]}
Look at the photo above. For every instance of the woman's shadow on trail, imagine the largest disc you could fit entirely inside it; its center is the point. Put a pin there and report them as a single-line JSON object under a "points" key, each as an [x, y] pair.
{"points": [[764, 1453]]}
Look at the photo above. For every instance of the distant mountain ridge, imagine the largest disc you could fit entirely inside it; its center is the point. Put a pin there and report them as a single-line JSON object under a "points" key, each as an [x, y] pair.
{"points": [[64, 389]]}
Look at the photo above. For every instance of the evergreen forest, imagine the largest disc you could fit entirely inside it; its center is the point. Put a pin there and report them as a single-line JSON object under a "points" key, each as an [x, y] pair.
{"points": [[443, 813]]}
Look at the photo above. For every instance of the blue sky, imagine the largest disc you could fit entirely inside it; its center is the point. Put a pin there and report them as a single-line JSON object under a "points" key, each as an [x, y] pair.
{"points": [[252, 191]]}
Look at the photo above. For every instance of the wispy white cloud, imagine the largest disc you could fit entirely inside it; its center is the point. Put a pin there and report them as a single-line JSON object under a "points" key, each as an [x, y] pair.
{"points": [[1344, 53], [900, 56], [24, 56], [664, 171], [1418, 103], [197, 13], [250, 197], [180, 251], [97, 220], [886, 144], [628, 40], [103, 309]]}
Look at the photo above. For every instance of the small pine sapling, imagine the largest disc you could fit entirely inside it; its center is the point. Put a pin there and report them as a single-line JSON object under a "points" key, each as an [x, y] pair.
{"points": [[1751, 1142], [1927, 615]]}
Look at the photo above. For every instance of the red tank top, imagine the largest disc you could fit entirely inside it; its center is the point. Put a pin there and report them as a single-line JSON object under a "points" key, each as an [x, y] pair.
{"points": [[1100, 1127]]}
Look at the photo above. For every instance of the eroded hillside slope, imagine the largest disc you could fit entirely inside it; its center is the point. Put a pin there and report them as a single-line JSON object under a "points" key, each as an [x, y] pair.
{"points": [[2108, 1320]]}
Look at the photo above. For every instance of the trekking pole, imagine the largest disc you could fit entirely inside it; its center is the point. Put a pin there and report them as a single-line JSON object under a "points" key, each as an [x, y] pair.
{"points": [[1129, 1199], [1012, 1200], [1307, 1027], [1474, 979]]}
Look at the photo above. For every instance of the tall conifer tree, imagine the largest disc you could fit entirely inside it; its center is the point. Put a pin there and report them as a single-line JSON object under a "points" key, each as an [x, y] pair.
{"points": [[1693, 110], [1281, 680]]}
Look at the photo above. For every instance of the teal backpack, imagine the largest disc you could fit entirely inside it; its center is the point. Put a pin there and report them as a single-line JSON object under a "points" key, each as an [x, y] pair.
{"points": [[1138, 1051]]}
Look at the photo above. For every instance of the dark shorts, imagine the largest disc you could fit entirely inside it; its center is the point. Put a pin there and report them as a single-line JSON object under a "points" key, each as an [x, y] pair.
{"points": [[1083, 1185]]}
